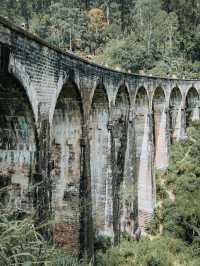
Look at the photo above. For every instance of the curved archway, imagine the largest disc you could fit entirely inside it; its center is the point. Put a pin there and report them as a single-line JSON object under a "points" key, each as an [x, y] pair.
{"points": [[141, 110], [122, 101], [192, 106], [100, 149], [160, 129], [18, 145], [66, 154], [120, 161], [175, 113]]}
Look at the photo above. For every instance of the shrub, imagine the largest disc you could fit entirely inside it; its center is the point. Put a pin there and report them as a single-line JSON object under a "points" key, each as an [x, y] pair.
{"points": [[21, 244]]}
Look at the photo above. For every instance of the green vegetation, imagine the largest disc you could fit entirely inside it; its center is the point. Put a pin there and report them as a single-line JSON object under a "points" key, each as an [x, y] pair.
{"points": [[158, 37], [174, 233], [160, 251], [179, 211], [21, 244]]}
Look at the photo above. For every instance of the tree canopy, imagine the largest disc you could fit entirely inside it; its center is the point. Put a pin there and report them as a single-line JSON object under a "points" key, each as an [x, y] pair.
{"points": [[160, 37]]}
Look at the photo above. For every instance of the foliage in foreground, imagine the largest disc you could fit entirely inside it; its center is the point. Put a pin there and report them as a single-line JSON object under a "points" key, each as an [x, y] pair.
{"points": [[21, 244], [179, 244], [160, 251]]}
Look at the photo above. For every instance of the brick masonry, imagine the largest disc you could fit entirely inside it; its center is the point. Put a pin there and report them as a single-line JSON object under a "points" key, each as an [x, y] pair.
{"points": [[79, 142]]}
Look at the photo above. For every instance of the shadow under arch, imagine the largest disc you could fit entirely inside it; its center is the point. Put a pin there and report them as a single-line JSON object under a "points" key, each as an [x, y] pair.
{"points": [[141, 98], [18, 144], [192, 106], [158, 106], [18, 71], [122, 91], [67, 126], [175, 102], [100, 152], [141, 111], [121, 104]]}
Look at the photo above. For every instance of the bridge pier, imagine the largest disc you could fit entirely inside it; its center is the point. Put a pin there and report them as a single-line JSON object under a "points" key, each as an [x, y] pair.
{"points": [[129, 215], [91, 171], [100, 158], [67, 131], [146, 182], [160, 127], [86, 221], [42, 180]]}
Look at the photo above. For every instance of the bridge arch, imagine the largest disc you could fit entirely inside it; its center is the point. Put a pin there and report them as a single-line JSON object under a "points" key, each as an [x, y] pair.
{"points": [[141, 97], [64, 78], [175, 113], [18, 144], [17, 69], [66, 153], [141, 111], [160, 128], [192, 105], [122, 101], [123, 87], [100, 152], [158, 106]]}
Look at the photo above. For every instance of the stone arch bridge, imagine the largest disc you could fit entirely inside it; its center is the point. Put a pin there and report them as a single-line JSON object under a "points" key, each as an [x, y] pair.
{"points": [[80, 142]]}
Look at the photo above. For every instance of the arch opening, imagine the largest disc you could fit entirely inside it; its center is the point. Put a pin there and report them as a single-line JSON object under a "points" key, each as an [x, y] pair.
{"points": [[158, 109], [160, 129], [66, 154], [141, 110], [192, 106], [175, 113], [100, 150], [18, 146]]}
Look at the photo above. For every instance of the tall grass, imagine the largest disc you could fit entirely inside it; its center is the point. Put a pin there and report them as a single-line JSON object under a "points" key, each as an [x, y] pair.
{"points": [[21, 244]]}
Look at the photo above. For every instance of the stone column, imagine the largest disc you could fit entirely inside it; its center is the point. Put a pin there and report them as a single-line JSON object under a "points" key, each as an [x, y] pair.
{"points": [[196, 113], [129, 212], [42, 180], [109, 190], [86, 234], [118, 154], [146, 183], [180, 128], [162, 149]]}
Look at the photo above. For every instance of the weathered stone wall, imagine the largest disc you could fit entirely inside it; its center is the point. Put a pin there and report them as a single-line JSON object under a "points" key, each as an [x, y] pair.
{"points": [[100, 152], [66, 175], [17, 145], [88, 138]]}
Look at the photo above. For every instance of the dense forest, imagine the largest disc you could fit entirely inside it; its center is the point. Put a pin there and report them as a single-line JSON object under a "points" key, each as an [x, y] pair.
{"points": [[155, 37]]}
